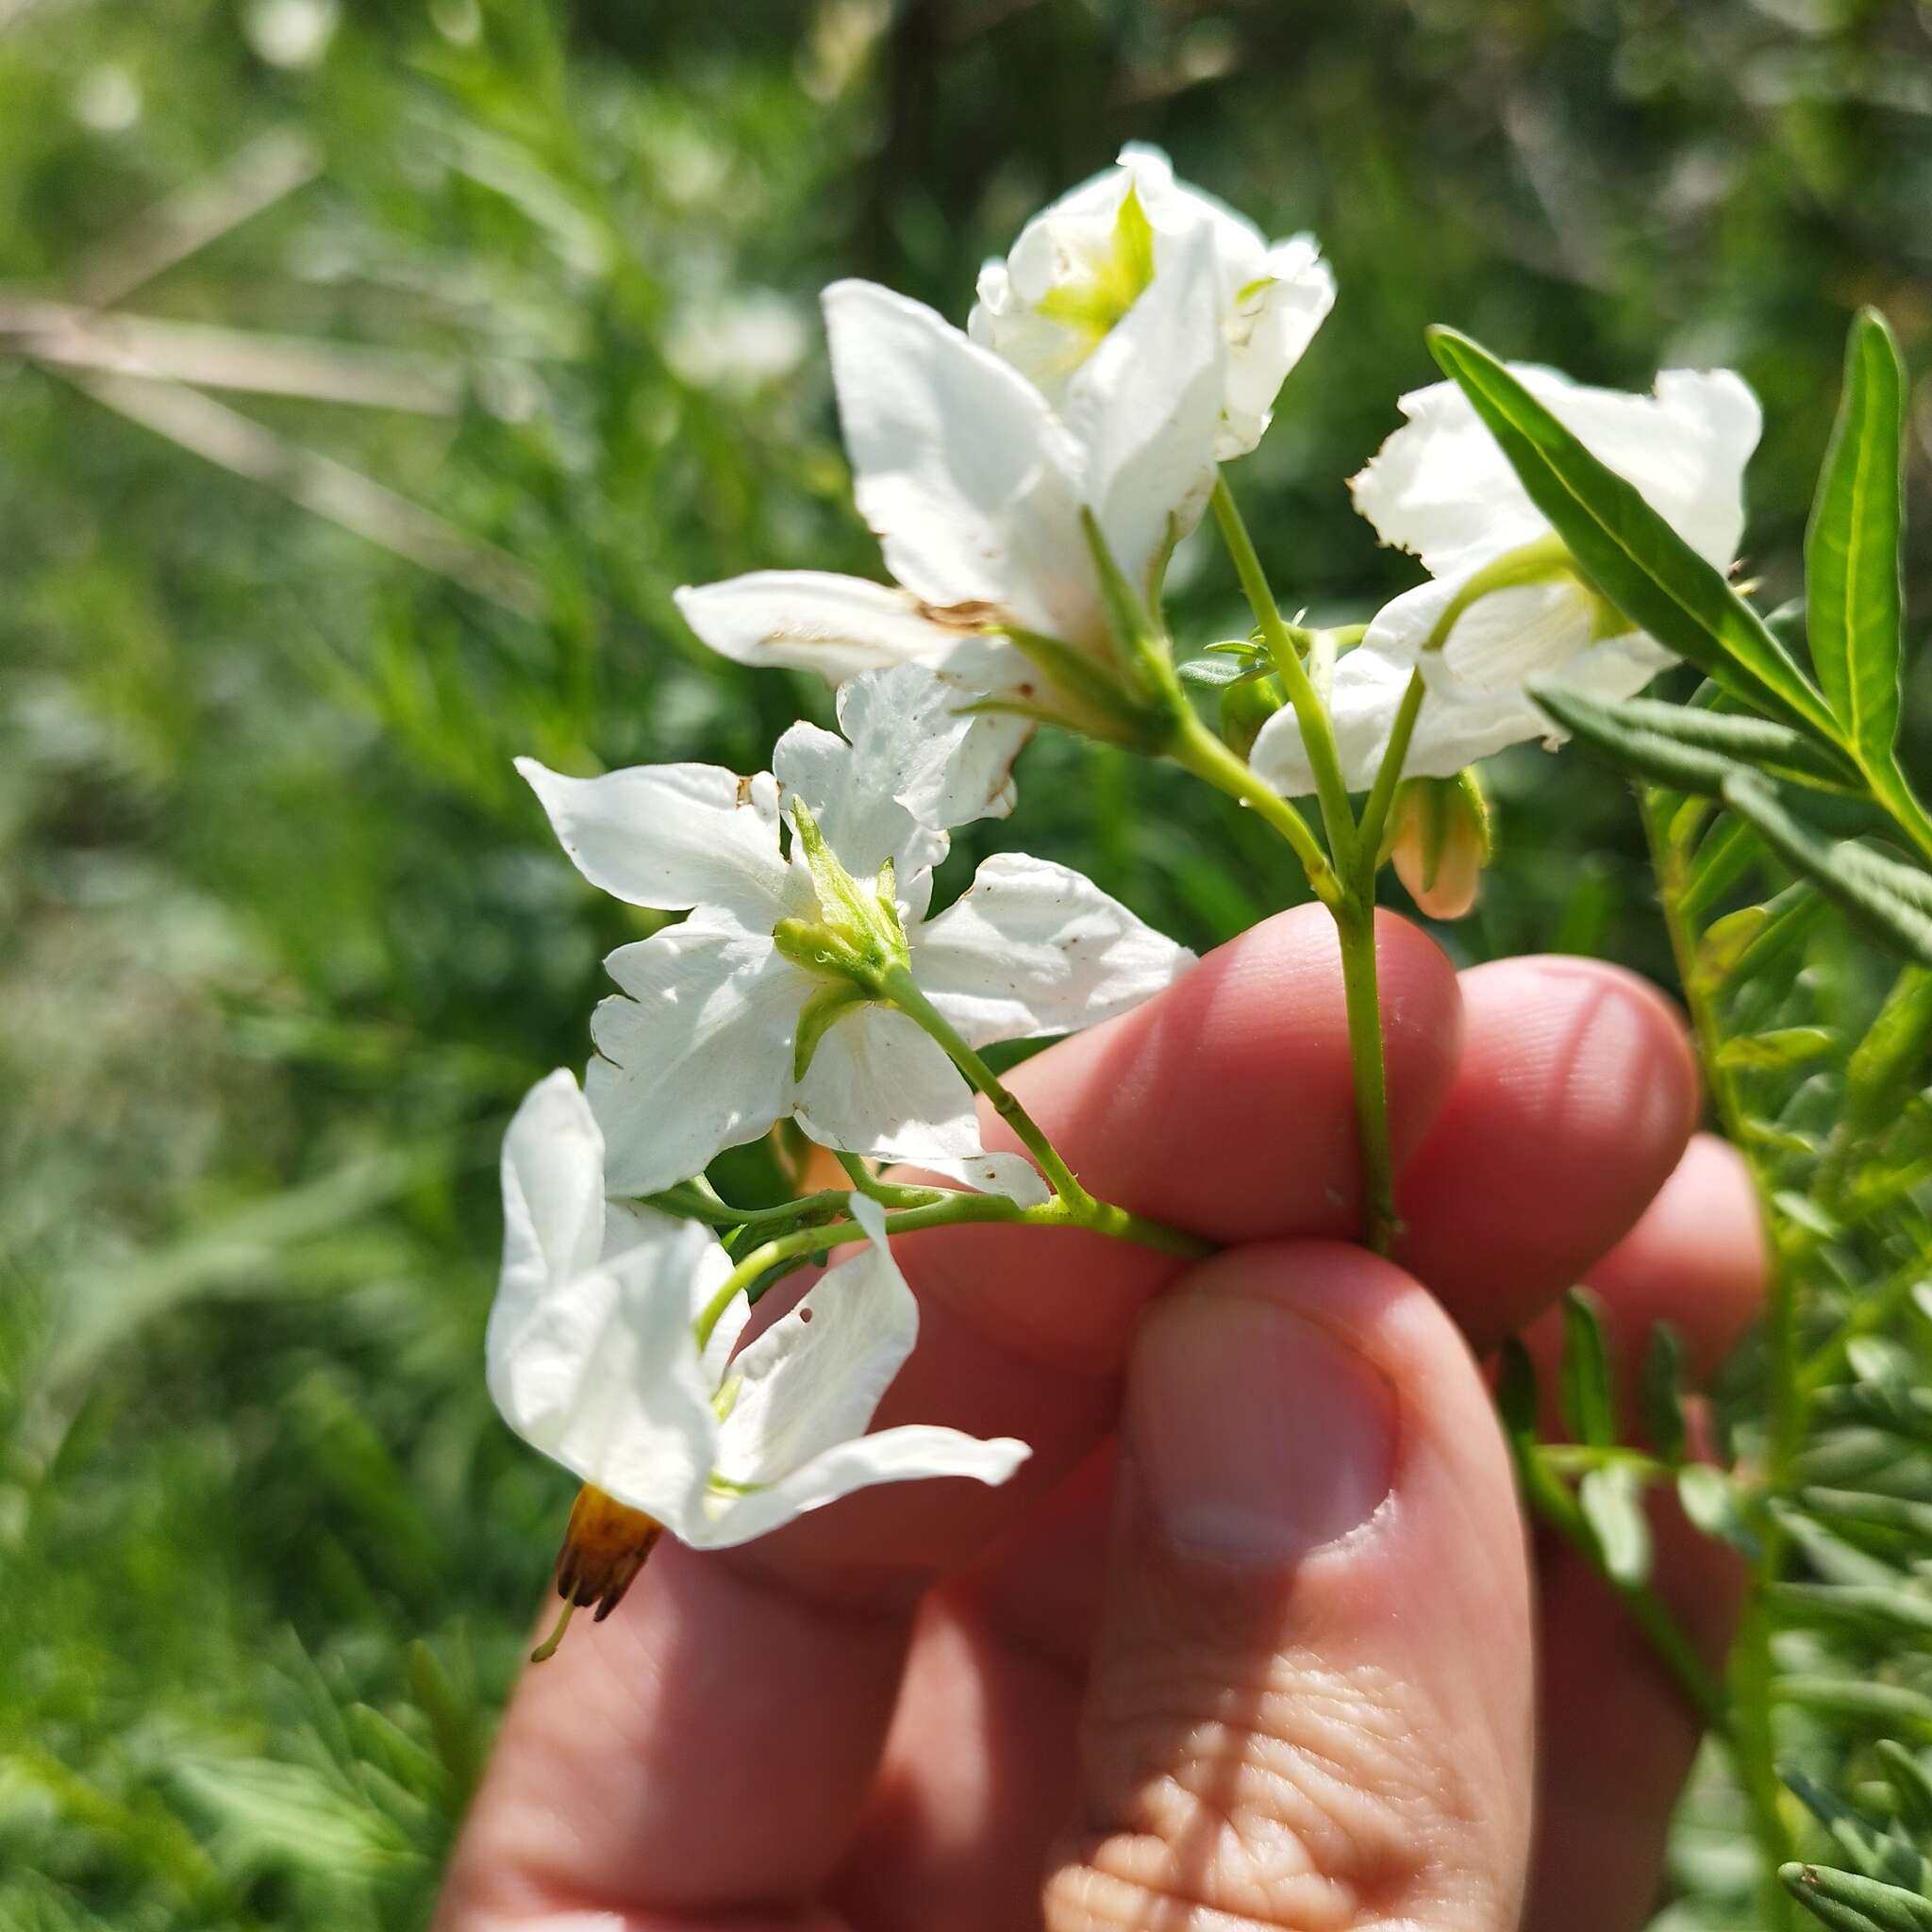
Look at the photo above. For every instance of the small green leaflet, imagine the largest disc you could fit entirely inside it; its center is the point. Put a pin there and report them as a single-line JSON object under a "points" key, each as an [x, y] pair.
{"points": [[1854, 599], [1583, 1381], [1628, 552]]}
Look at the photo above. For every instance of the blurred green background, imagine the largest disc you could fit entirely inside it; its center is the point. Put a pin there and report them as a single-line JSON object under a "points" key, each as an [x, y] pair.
{"points": [[484, 325]]}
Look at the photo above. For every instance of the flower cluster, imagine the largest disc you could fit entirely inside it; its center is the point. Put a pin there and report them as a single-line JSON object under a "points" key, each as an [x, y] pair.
{"points": [[1028, 477]]}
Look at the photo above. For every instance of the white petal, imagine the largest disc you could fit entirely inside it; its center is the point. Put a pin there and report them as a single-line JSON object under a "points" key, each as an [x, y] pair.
{"points": [[553, 1192], [671, 836], [1146, 410], [1031, 948], [815, 1376], [912, 1454], [628, 1224], [600, 1373], [878, 1086], [699, 1058], [1009, 1174], [1269, 331], [813, 621], [946, 767], [959, 466], [1442, 488]]}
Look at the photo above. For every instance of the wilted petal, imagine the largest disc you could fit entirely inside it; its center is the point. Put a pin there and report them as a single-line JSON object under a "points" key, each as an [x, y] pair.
{"points": [[1146, 410], [600, 1372], [878, 1086], [698, 1058], [814, 1377], [914, 1453], [1031, 948], [812, 620], [960, 467], [673, 835], [1009, 1174]]}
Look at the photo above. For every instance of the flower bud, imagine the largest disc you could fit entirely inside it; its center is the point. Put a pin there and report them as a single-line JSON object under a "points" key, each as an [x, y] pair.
{"points": [[1245, 707], [1441, 842]]}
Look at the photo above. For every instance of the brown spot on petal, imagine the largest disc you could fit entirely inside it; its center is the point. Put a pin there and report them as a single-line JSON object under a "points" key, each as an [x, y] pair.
{"points": [[744, 791], [974, 615], [604, 1548]]}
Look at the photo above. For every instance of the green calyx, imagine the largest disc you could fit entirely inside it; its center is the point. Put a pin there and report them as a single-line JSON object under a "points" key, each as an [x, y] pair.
{"points": [[856, 944], [1546, 561]]}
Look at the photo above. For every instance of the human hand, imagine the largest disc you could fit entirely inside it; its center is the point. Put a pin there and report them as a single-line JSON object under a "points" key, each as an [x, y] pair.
{"points": [[1255, 1637]]}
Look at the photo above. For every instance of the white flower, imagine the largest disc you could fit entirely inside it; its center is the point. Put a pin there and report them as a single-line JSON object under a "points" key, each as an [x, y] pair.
{"points": [[1442, 488], [974, 485], [1079, 268], [699, 1054], [594, 1359]]}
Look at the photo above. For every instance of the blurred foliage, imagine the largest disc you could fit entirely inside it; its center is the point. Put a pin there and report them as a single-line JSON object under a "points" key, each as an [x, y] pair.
{"points": [[281, 938]]}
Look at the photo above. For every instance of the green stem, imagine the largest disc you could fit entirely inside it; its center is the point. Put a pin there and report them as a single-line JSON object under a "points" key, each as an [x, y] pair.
{"points": [[1556, 1505], [1356, 926], [1753, 1670], [1374, 819], [1318, 734], [786, 1252], [899, 988], [1197, 749]]}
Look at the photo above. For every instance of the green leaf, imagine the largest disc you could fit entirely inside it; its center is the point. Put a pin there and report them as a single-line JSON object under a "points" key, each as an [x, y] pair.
{"points": [[1727, 940], [1660, 1394], [1865, 1507], [1583, 1384], [1864, 1702], [1783, 1047], [1848, 1903], [1871, 1849], [1911, 1787], [1855, 598], [1891, 1057], [1611, 1500], [1213, 673], [1628, 552], [1709, 1500], [1892, 899], [1687, 746], [1886, 1612]]}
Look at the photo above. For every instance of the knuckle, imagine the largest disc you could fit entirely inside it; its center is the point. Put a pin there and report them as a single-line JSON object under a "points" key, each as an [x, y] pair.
{"points": [[1283, 1793]]}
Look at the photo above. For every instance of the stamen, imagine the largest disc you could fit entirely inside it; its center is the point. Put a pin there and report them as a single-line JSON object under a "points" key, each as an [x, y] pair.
{"points": [[605, 1545]]}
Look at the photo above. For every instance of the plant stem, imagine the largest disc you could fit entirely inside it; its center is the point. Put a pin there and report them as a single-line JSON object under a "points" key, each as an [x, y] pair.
{"points": [[1356, 926], [1375, 817], [1197, 749], [786, 1252], [1753, 1670], [1312, 714]]}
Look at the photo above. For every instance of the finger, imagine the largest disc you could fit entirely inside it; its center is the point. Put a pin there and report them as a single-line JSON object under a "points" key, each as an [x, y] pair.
{"points": [[1573, 1102], [1618, 1735], [1309, 1702]]}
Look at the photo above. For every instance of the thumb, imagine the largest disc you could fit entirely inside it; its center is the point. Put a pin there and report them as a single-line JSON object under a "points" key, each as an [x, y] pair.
{"points": [[1310, 1701]]}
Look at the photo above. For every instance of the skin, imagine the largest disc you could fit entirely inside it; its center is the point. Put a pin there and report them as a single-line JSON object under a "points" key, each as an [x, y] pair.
{"points": [[1257, 1639]]}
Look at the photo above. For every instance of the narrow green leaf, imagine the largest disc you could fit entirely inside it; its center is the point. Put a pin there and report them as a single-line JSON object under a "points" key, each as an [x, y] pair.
{"points": [[1660, 1394], [1689, 747], [1628, 552], [1886, 1612], [1864, 1507], [1725, 940], [1864, 1702], [1583, 1384], [1892, 899], [1872, 1850], [1709, 1499], [1855, 598], [1612, 1504], [1783, 1047], [1214, 672], [1892, 1055], [1848, 1903], [1911, 1787]]}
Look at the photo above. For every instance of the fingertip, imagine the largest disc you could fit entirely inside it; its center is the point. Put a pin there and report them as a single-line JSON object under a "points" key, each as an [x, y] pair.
{"points": [[1696, 1259], [1575, 1098]]}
